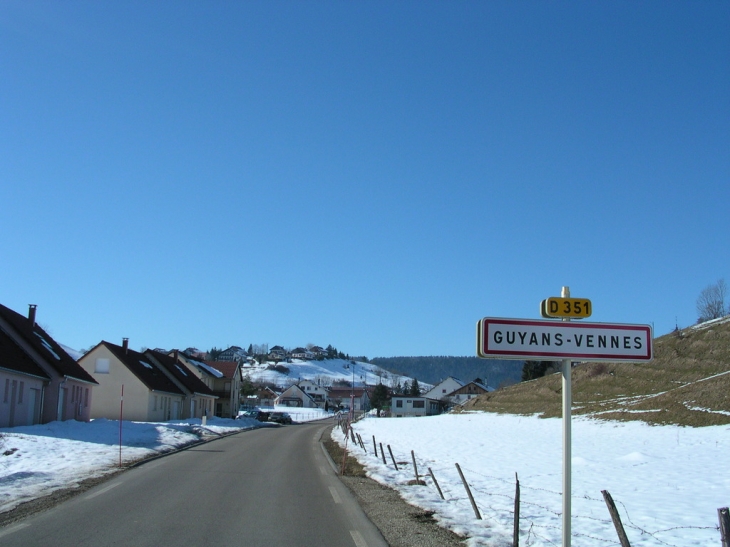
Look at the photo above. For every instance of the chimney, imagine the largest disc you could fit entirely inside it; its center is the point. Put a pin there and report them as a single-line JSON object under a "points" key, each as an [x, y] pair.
{"points": [[31, 314], [125, 344], [177, 355]]}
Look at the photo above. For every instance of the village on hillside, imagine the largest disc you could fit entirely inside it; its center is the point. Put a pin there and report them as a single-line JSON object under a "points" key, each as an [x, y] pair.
{"points": [[44, 381]]}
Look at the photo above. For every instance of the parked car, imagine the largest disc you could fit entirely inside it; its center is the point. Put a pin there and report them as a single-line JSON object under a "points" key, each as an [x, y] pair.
{"points": [[280, 418], [259, 415]]}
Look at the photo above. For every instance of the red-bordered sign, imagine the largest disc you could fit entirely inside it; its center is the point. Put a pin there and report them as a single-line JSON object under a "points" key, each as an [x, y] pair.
{"points": [[554, 340]]}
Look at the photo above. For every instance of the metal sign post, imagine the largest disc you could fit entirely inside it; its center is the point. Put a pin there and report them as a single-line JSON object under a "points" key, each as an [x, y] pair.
{"points": [[567, 440]]}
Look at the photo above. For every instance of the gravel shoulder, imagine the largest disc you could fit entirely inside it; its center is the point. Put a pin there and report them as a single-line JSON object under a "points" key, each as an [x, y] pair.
{"points": [[400, 523]]}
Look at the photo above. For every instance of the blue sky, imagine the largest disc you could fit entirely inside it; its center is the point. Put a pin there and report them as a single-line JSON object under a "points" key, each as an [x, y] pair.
{"points": [[373, 175]]}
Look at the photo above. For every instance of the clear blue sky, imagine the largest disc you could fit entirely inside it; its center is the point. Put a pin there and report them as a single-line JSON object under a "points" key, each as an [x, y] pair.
{"points": [[373, 175]]}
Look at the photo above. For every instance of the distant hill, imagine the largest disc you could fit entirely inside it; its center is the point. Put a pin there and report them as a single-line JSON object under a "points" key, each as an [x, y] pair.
{"points": [[687, 383], [433, 369]]}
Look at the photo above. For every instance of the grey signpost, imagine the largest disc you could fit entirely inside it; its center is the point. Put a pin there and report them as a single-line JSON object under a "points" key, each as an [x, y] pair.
{"points": [[551, 340]]}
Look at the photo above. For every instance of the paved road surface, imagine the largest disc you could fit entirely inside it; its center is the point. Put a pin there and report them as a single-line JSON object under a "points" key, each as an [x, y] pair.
{"points": [[270, 487]]}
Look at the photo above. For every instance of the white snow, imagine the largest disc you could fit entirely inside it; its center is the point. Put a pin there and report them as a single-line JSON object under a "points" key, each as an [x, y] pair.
{"points": [[667, 482], [36, 460]]}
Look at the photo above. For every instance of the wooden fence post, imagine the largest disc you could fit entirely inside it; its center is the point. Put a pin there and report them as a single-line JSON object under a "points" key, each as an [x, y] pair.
{"points": [[724, 516], [415, 466], [375, 447], [516, 532], [436, 483], [382, 453], [468, 491], [392, 458], [616, 518]]}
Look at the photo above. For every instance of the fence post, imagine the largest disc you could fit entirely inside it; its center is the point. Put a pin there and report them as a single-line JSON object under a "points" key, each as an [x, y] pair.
{"points": [[516, 533], [392, 458], [415, 466], [375, 447], [724, 516], [616, 518], [436, 483], [382, 453], [468, 491]]}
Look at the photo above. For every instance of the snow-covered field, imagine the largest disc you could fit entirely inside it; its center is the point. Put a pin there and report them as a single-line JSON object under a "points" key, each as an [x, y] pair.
{"points": [[37, 460], [667, 482]]}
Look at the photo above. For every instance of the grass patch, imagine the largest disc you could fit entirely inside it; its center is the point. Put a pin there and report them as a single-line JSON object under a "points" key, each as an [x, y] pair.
{"points": [[336, 452]]}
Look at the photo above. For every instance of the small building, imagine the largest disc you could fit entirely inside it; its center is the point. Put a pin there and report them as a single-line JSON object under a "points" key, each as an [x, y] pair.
{"points": [[469, 391], [404, 406], [343, 397], [315, 391], [295, 396]]}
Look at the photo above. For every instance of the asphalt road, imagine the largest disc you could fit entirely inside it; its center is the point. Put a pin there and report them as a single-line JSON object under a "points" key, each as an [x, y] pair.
{"points": [[270, 487]]}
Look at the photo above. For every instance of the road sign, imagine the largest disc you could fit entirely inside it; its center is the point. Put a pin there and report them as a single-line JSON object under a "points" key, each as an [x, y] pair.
{"points": [[574, 308], [554, 340]]}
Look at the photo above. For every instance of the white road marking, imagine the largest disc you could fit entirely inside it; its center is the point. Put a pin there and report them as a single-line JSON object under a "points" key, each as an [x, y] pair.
{"points": [[358, 539], [12, 529], [335, 495], [102, 491]]}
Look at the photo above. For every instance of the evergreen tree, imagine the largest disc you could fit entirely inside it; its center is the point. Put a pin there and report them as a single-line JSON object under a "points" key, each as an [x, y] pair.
{"points": [[380, 398], [415, 388], [535, 369]]}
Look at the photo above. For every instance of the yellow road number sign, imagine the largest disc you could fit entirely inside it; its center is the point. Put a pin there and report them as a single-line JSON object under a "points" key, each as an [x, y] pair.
{"points": [[575, 308]]}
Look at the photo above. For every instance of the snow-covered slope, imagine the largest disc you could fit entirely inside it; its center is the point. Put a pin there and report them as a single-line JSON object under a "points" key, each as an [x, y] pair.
{"points": [[327, 371]]}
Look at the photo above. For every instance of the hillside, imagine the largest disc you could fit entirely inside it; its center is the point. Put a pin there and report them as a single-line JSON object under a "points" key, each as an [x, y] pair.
{"points": [[433, 369], [325, 371], [687, 383]]}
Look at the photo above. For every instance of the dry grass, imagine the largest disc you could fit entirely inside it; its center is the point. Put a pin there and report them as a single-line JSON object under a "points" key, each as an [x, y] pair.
{"points": [[352, 466], [687, 383]]}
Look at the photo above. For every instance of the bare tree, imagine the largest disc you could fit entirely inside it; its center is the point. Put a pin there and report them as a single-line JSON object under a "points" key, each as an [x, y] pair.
{"points": [[711, 302]]}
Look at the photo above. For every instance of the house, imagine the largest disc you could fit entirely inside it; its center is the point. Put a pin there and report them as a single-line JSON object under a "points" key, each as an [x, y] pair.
{"points": [[277, 353], [315, 391], [234, 353], [345, 396], [223, 378], [264, 397], [149, 395], [469, 391], [442, 390], [199, 398], [295, 396], [403, 406], [303, 354], [40, 381]]}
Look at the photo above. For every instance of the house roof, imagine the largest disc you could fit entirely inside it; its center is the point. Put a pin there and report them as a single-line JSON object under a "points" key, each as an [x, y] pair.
{"points": [[180, 372], [12, 357], [146, 372], [51, 352], [346, 391], [227, 368]]}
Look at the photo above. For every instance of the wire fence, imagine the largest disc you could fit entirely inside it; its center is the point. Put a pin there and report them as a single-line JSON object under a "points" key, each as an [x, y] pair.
{"points": [[495, 499]]}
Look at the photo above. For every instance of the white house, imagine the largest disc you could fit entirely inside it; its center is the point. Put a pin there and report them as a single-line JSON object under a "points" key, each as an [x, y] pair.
{"points": [[408, 406]]}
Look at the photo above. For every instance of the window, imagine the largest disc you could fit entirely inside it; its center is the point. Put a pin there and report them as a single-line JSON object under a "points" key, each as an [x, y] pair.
{"points": [[102, 366], [20, 393], [419, 404], [154, 402], [399, 403], [86, 397]]}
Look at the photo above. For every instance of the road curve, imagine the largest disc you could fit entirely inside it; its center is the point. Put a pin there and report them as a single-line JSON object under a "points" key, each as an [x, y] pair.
{"points": [[270, 487]]}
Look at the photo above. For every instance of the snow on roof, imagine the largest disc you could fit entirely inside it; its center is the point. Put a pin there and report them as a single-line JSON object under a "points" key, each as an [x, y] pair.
{"points": [[178, 367], [145, 364], [47, 346], [214, 371]]}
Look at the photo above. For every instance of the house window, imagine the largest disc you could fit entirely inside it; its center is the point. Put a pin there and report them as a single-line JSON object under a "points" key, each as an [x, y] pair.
{"points": [[443, 391], [399, 403], [154, 402], [86, 397], [419, 404], [102, 366], [20, 393]]}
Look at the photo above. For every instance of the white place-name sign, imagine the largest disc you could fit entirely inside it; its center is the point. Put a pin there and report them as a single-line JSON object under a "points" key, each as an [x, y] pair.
{"points": [[553, 340]]}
